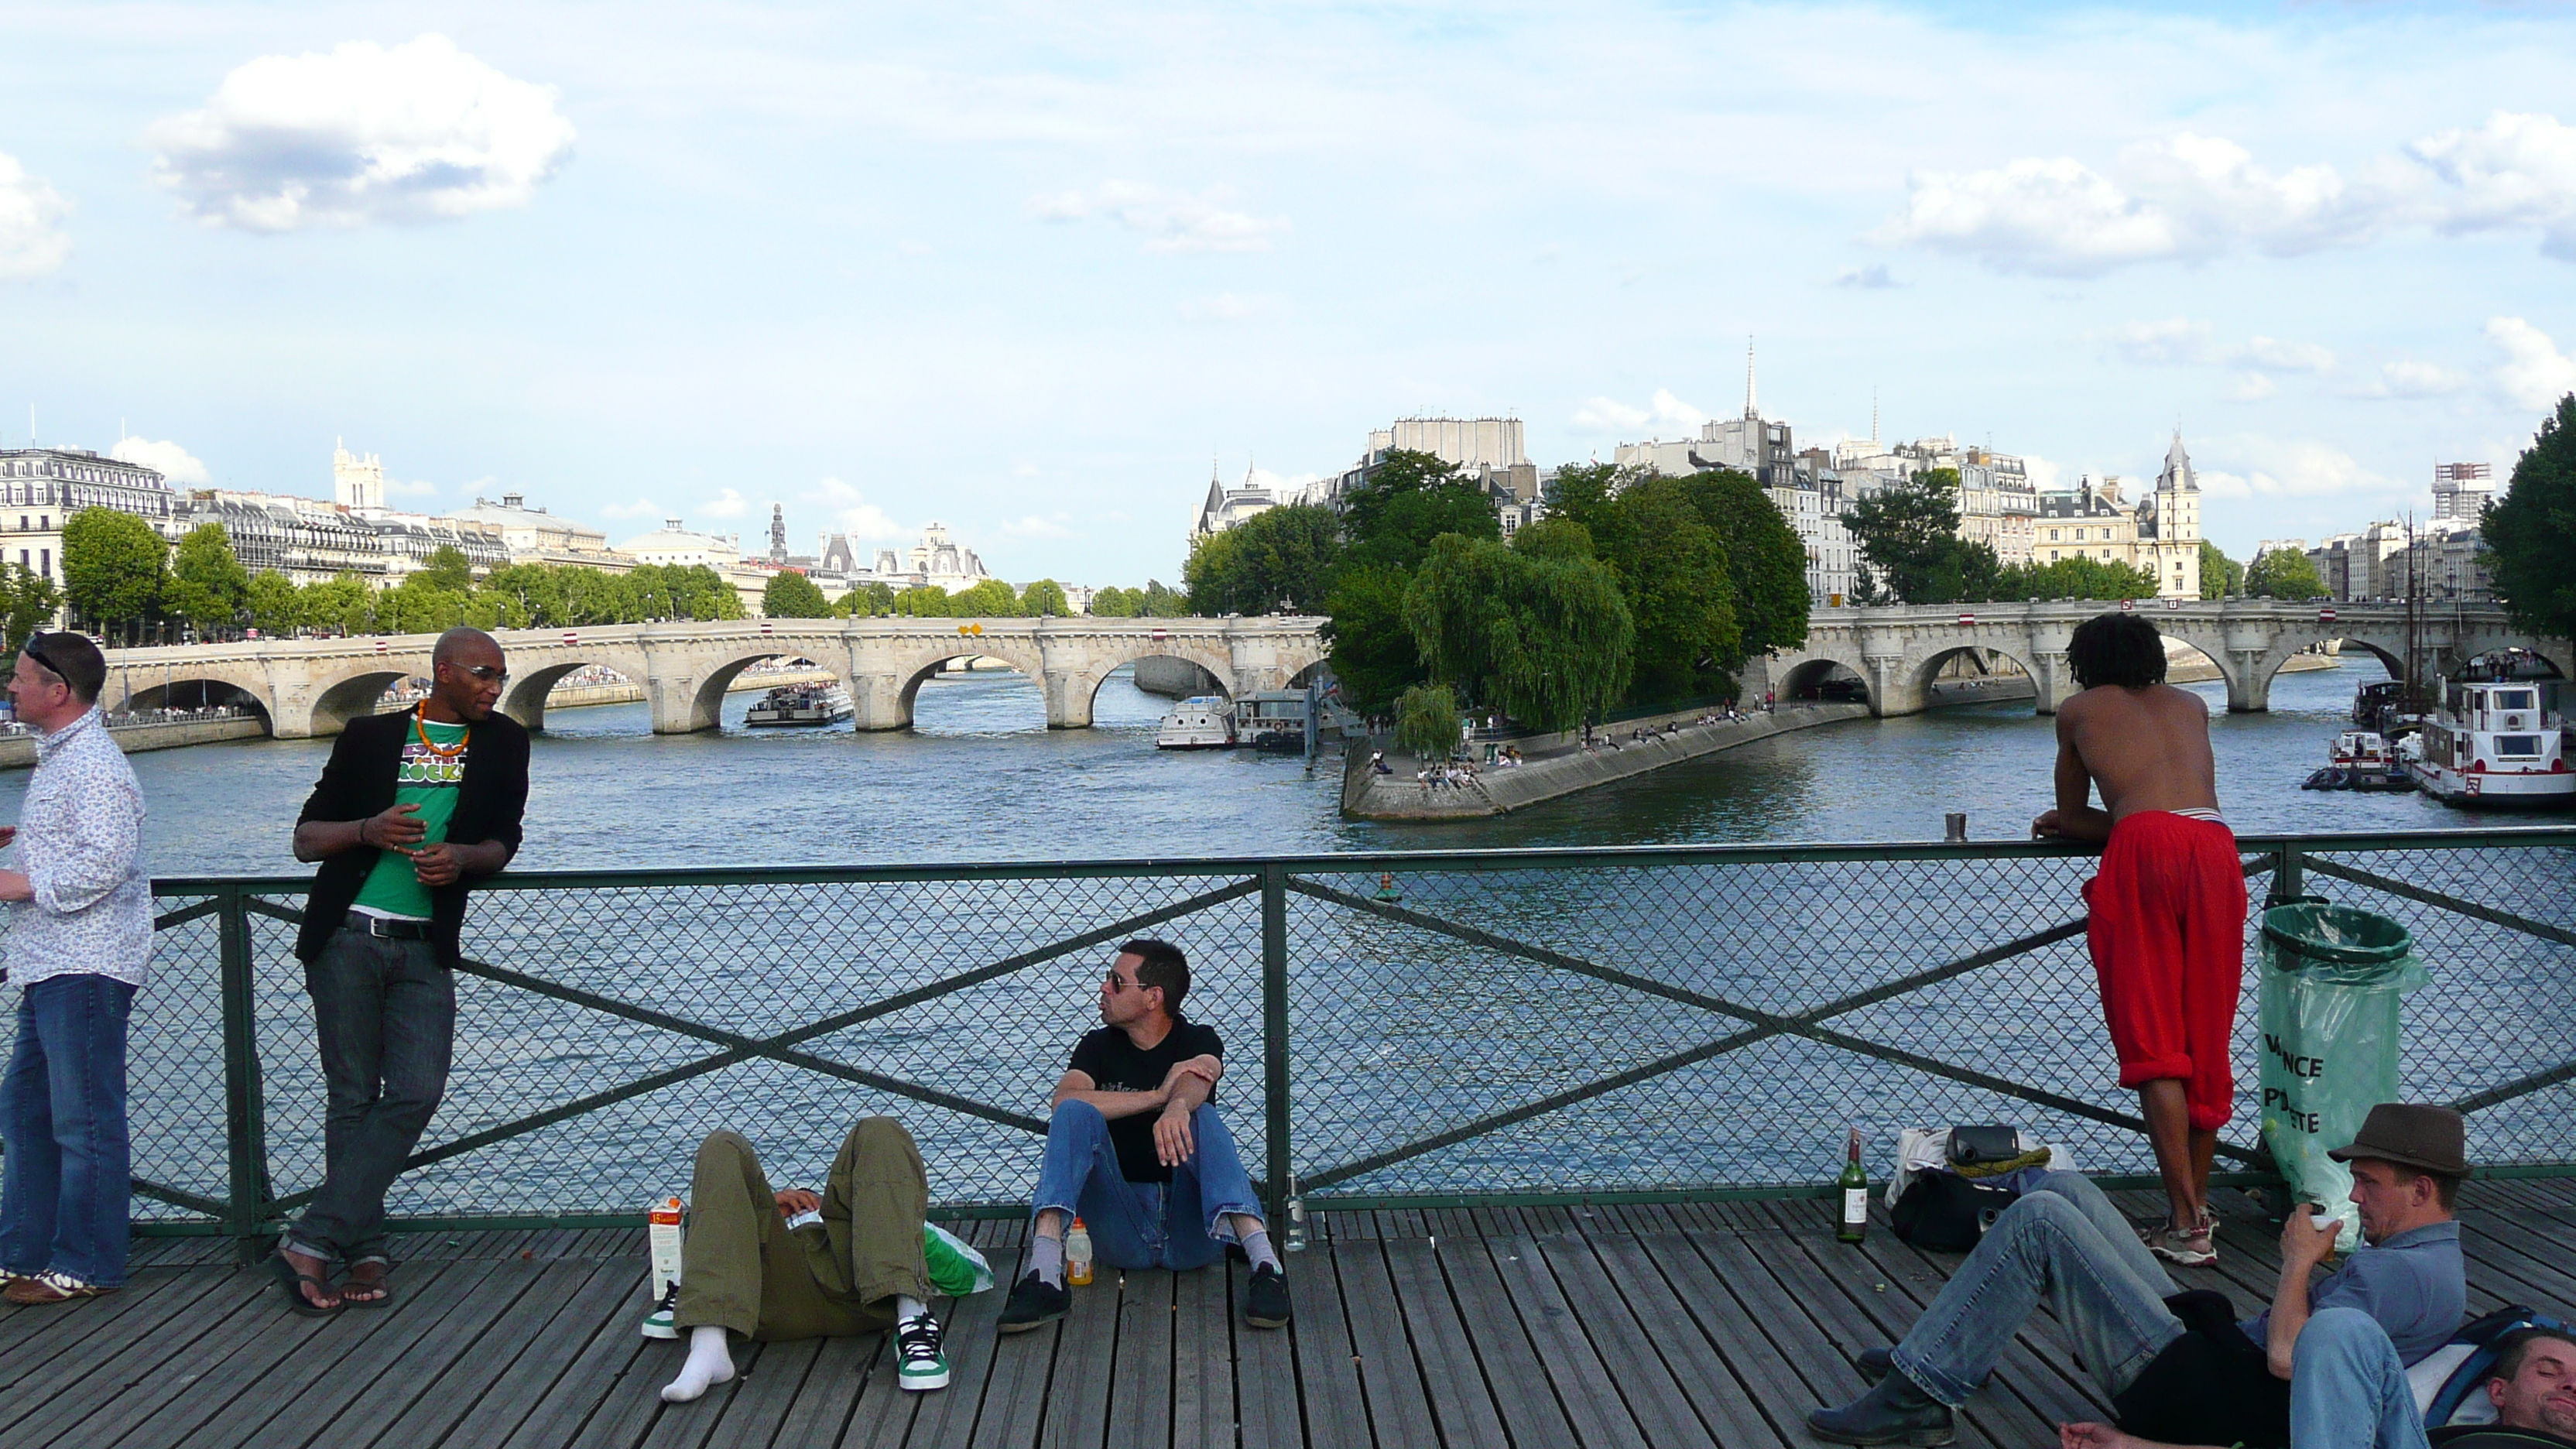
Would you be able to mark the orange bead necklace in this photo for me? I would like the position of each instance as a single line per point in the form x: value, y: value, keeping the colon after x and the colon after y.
x: 420, y: 727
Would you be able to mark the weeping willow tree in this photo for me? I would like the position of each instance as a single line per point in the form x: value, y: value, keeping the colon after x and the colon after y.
x: 1544, y: 635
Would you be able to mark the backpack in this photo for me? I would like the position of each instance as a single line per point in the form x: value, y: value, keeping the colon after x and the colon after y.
x: 1945, y: 1212
x: 2469, y: 1374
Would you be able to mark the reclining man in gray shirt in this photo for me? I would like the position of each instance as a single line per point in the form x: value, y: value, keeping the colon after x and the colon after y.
x: 2323, y: 1368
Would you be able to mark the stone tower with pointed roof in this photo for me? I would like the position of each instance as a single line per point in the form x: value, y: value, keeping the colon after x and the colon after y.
x: 2169, y: 526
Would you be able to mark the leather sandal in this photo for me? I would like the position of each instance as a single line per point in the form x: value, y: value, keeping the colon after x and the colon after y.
x: 291, y: 1282
x: 381, y: 1284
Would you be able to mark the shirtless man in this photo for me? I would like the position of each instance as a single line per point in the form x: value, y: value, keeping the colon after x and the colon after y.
x: 2167, y: 923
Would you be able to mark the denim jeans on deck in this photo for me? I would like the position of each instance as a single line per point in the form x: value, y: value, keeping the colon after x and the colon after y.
x: 384, y: 1015
x: 2063, y: 1242
x: 2349, y: 1389
x: 1145, y: 1224
x: 65, y: 1186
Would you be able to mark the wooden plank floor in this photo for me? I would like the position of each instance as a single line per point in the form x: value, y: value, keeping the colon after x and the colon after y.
x: 1663, y: 1325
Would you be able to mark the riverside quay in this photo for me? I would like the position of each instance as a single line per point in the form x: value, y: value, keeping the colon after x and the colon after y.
x: 1549, y: 1137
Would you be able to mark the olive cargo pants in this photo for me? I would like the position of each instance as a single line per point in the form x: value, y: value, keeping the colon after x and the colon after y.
x: 741, y: 1268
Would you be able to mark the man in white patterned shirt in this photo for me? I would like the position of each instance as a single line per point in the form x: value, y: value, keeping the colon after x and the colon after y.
x: 79, y: 940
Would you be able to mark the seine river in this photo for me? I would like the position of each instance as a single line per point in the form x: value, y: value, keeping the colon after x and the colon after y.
x: 980, y: 777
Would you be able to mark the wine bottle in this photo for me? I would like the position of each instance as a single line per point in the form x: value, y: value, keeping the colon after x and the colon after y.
x: 1855, y: 1194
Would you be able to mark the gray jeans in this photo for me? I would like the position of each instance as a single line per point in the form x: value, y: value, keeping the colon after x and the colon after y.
x: 384, y: 1013
x: 2063, y: 1243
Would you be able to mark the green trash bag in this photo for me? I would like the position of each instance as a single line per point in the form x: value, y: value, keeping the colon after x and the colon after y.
x: 956, y: 1269
x: 2332, y: 980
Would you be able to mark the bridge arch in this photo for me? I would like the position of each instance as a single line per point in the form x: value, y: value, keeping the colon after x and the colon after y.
x: 1084, y: 686
x: 354, y: 696
x: 179, y: 685
x: 1923, y: 665
x: 1808, y: 679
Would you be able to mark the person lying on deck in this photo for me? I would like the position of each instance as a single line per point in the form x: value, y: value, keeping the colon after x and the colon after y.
x: 2311, y: 1372
x: 2533, y: 1390
x: 774, y: 1266
x: 1137, y: 1152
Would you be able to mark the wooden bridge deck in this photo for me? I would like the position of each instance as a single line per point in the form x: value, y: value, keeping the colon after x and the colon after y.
x: 1667, y: 1325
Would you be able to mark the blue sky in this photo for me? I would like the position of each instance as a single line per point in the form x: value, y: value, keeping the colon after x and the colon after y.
x: 1024, y: 270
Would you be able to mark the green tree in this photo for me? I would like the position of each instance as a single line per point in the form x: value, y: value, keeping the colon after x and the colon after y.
x: 207, y: 586
x: 276, y: 608
x: 2078, y: 578
x: 2283, y: 573
x: 925, y: 601
x: 1672, y: 570
x: 1543, y: 635
x: 1114, y: 602
x: 1907, y: 532
x: 2220, y: 576
x: 1373, y: 652
x: 870, y: 601
x: 1764, y: 558
x: 791, y: 595
x: 1967, y: 571
x: 988, y: 599
x: 114, y: 567
x: 1406, y: 500
x: 1426, y: 722
x: 1277, y: 561
x: 1044, y: 599
x: 2530, y: 533
x: 28, y: 602
x: 447, y: 568
x: 337, y: 603
x: 1161, y: 601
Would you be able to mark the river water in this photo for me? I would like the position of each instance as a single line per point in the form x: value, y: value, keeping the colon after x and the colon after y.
x: 980, y: 778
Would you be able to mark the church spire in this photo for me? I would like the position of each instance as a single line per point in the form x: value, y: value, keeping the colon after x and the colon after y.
x: 1751, y: 409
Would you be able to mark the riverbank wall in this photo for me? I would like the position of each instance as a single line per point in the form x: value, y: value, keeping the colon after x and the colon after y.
x: 18, y: 752
x: 1174, y: 678
x: 1559, y: 765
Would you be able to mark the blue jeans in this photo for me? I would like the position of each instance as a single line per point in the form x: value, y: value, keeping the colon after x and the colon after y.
x: 2348, y: 1389
x: 1145, y: 1224
x: 65, y: 1181
x: 384, y: 1014
x: 2063, y: 1242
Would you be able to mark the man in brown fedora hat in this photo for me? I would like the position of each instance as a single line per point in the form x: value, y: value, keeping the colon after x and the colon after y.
x: 2175, y: 1366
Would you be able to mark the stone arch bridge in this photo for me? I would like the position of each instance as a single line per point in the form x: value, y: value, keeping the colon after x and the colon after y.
x: 309, y: 687
x: 1897, y: 651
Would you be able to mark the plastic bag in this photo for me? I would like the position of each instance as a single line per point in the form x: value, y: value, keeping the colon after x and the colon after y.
x: 956, y: 1269
x: 2332, y: 981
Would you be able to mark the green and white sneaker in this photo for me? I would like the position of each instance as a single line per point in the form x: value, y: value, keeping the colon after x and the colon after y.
x: 663, y: 1320
x: 919, y: 1364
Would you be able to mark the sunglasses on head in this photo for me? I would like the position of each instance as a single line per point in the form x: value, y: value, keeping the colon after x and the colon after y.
x: 34, y: 649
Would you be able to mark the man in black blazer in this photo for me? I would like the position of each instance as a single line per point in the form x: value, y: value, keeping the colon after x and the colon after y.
x: 410, y: 809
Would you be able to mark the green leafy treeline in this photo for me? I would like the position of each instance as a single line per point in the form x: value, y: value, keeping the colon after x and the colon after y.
x: 1911, y: 553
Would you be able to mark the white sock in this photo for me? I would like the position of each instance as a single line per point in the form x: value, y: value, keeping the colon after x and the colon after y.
x: 1256, y: 1247
x: 1046, y: 1259
x: 710, y: 1363
x: 907, y: 1309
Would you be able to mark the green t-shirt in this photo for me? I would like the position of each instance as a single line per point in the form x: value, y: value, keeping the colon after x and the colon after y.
x: 430, y: 781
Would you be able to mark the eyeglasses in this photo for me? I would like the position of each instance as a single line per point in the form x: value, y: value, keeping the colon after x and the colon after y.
x: 485, y: 673
x: 1117, y: 983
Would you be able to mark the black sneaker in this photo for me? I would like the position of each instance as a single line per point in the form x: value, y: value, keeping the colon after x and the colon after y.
x: 1266, y: 1304
x: 1033, y: 1301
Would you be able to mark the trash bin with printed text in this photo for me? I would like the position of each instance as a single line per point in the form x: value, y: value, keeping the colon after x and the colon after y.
x: 2333, y: 980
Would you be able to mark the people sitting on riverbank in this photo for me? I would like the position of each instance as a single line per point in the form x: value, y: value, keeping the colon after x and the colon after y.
x: 410, y: 810
x: 1137, y: 1151
x: 777, y: 1266
x: 2175, y: 1366
x: 2166, y: 910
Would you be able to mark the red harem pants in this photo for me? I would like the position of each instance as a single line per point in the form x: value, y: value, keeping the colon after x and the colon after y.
x: 2167, y: 928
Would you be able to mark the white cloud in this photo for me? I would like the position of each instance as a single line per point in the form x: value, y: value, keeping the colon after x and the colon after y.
x: 2408, y: 378
x: 414, y: 488
x: 32, y: 239
x: 728, y: 503
x: 1869, y: 278
x: 852, y: 513
x: 2266, y: 467
x: 418, y: 132
x: 2191, y: 198
x: 2042, y: 473
x: 640, y: 508
x: 1032, y: 526
x: 2251, y: 387
x: 2534, y: 374
x: 1227, y: 307
x: 1604, y: 415
x: 1171, y: 221
x: 176, y: 465
x: 2181, y: 340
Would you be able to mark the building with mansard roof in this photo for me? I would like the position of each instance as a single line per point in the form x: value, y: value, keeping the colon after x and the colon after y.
x: 2159, y: 533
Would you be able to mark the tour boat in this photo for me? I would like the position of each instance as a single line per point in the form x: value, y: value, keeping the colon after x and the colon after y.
x: 792, y: 705
x: 2495, y: 746
x: 1274, y: 719
x: 1201, y: 722
x: 2360, y: 760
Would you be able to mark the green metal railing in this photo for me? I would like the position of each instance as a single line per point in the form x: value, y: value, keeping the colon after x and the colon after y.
x: 1445, y: 1027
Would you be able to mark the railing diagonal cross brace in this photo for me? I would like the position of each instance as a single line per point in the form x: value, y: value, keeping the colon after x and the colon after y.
x: 740, y: 1048
x: 185, y: 914
x: 178, y: 1197
x: 2471, y: 909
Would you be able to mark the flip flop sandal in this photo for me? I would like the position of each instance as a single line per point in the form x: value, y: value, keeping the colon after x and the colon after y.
x: 291, y: 1283
x: 383, y: 1285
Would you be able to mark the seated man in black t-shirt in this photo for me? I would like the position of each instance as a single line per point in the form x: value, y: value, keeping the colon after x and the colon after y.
x: 1136, y: 1152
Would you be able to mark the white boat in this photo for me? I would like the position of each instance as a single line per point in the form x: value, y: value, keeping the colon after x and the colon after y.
x: 1201, y: 722
x: 2495, y: 746
x: 806, y: 705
